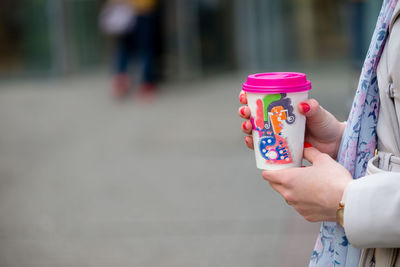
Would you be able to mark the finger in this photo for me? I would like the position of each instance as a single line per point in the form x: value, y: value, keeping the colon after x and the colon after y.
x: 243, y: 98
x: 285, y: 177
x: 247, y: 128
x: 312, y: 154
x: 316, y: 115
x: 285, y: 193
x: 244, y: 112
x: 309, y: 108
x: 277, y: 187
x: 249, y: 142
x: 276, y: 176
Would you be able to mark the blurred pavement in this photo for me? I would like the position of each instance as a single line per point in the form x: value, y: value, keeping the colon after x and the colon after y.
x: 89, y: 181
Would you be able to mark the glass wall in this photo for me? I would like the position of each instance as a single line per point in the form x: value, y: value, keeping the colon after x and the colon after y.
x: 197, y: 37
x: 49, y: 36
x: 213, y: 35
x: 275, y: 33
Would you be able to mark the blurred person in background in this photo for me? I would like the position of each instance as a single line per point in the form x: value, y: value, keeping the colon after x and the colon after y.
x: 358, y: 197
x: 138, y: 41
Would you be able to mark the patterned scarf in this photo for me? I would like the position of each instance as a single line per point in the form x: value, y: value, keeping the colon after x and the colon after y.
x: 357, y: 147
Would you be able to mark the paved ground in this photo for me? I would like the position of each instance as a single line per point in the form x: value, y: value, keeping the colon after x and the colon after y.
x: 89, y: 181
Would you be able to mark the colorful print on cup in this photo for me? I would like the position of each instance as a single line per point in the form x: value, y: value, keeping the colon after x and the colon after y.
x: 274, y: 113
x: 278, y: 127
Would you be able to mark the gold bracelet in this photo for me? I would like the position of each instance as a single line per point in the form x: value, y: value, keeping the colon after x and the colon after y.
x: 340, y: 213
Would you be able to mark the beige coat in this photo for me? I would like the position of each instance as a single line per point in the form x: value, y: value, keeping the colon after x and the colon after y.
x: 372, y: 204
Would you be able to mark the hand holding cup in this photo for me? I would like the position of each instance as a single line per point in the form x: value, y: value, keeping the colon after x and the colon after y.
x: 278, y: 127
x: 323, y: 130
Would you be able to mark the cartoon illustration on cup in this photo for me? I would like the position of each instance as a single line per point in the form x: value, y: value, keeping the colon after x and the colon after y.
x: 274, y: 111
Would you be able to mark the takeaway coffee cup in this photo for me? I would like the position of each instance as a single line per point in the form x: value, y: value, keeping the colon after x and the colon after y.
x: 278, y: 126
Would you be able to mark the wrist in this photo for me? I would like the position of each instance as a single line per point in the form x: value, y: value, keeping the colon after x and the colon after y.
x: 340, y: 214
x: 341, y: 207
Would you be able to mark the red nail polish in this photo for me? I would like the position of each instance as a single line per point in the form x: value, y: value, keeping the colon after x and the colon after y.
x: 247, y: 141
x: 241, y: 98
x: 306, y: 107
x: 307, y: 144
x: 242, y: 111
x: 244, y: 126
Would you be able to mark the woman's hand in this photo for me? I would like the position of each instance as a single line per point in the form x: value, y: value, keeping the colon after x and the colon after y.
x: 323, y: 130
x: 247, y: 127
x: 313, y: 191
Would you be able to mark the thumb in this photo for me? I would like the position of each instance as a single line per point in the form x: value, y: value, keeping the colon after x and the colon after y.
x: 317, y: 117
x: 312, y: 110
x: 311, y: 154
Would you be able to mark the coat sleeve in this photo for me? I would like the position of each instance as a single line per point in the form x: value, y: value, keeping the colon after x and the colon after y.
x: 372, y: 211
x: 372, y: 203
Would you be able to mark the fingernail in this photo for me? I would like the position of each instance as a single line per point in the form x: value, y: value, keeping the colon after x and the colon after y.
x: 307, y: 144
x: 241, y: 98
x: 306, y: 107
x: 247, y: 141
x: 242, y: 111
x: 244, y: 125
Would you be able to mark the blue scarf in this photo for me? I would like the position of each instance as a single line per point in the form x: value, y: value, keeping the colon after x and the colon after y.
x: 357, y: 147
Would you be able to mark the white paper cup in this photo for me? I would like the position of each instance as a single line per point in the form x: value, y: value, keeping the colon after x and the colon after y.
x: 278, y: 126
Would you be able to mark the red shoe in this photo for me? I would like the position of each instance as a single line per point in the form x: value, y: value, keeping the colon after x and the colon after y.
x: 147, y: 92
x: 120, y: 85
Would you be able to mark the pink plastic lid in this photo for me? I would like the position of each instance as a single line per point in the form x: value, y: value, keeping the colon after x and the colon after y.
x: 277, y: 82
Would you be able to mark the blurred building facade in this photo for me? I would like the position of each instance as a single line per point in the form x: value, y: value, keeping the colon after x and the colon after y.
x: 197, y: 37
x: 49, y: 36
